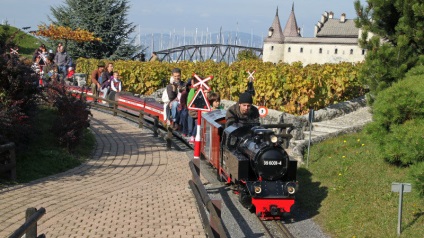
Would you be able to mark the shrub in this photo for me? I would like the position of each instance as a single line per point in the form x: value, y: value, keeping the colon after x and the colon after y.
x: 72, y: 118
x: 17, y: 93
x: 417, y: 175
x: 393, y: 126
x: 405, y: 143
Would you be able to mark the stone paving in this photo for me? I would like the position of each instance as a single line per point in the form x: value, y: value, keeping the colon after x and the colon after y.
x: 132, y: 187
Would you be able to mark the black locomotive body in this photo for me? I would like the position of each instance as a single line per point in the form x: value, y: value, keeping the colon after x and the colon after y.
x: 253, y: 158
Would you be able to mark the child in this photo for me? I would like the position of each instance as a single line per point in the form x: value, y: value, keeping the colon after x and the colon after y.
x: 214, y: 101
x: 70, y: 75
x: 115, y: 83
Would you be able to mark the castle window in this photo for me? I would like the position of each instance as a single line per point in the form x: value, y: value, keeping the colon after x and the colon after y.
x: 335, y: 51
x: 363, y: 52
x: 289, y: 50
x: 351, y: 51
x: 320, y: 50
x: 272, y: 47
x: 301, y: 49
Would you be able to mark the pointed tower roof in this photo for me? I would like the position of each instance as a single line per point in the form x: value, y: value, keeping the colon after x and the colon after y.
x: 275, y: 32
x: 291, y: 29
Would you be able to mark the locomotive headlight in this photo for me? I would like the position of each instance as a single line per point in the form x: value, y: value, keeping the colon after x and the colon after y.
x: 291, y: 188
x: 273, y: 138
x: 258, y: 189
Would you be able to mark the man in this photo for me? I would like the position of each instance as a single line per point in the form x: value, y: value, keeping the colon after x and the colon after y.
x: 62, y: 60
x: 243, y: 111
x: 154, y: 57
x: 96, y: 79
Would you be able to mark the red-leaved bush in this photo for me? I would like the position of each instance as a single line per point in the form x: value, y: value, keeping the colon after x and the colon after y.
x: 72, y: 115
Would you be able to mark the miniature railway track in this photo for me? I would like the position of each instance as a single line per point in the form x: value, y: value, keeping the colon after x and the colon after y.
x: 177, y: 141
x: 278, y: 229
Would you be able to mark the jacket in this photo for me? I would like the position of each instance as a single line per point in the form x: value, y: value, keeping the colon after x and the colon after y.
x: 234, y: 115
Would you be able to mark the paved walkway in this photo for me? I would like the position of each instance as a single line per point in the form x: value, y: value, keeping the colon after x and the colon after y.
x: 132, y: 187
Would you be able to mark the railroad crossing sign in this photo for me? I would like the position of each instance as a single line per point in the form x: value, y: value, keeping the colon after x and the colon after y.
x: 202, y: 82
x: 14, y: 51
x: 251, y: 75
x: 263, y: 111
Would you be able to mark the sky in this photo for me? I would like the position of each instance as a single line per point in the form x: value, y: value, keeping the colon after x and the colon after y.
x: 187, y: 16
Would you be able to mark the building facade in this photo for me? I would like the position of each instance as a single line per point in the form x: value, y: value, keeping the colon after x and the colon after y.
x: 334, y: 41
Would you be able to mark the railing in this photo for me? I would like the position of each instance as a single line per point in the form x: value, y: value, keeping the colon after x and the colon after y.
x: 112, y: 106
x: 213, y: 224
x: 8, y: 160
x: 29, y: 228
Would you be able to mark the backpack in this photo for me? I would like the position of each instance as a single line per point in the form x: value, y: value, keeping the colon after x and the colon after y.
x: 165, y: 97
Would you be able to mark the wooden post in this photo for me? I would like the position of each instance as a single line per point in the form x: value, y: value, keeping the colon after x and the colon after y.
x: 32, y: 230
x: 155, y: 126
x: 13, y: 162
x: 140, y: 119
x: 115, y: 108
x: 214, y: 222
x: 168, y: 138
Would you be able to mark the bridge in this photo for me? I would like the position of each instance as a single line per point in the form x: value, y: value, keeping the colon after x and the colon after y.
x: 215, y: 52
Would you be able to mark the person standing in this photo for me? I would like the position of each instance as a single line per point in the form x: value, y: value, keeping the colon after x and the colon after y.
x: 62, y: 60
x: 243, y: 111
x: 154, y: 57
x: 96, y: 79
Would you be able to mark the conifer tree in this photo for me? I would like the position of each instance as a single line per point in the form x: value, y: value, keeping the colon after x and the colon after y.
x: 397, y: 43
x: 106, y: 19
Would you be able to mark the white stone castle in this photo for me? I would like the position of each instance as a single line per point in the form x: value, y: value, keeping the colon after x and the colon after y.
x: 334, y: 41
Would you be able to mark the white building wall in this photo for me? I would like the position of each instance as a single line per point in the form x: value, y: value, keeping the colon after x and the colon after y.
x: 322, y: 53
x: 273, y: 52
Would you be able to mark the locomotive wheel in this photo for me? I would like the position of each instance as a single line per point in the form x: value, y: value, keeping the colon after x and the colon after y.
x: 245, y: 199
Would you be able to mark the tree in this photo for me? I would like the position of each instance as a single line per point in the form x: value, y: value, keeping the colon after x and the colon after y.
x: 65, y: 33
x: 106, y: 19
x: 246, y: 55
x: 396, y: 44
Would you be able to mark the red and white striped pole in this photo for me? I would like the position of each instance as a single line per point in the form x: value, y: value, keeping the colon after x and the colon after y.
x: 197, y: 139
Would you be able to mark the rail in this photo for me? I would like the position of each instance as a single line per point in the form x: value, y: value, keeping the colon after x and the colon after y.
x: 29, y: 228
x: 8, y: 160
x: 213, y: 225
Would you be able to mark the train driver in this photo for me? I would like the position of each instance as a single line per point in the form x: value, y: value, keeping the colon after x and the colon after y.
x: 243, y: 111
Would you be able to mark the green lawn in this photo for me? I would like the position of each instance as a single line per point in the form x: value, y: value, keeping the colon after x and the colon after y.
x: 27, y: 43
x: 347, y: 189
x: 43, y: 156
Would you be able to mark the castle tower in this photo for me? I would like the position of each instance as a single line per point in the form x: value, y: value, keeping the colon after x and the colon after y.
x: 291, y: 29
x: 273, y: 49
